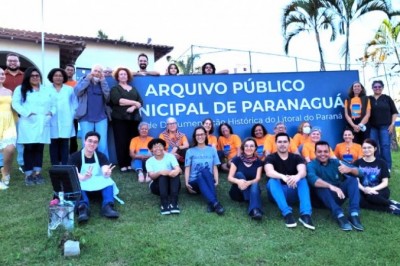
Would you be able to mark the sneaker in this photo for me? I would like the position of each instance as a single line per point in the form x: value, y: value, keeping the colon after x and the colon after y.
x: 306, y: 221
x: 344, y: 224
x: 256, y: 214
x: 147, y: 179
x: 83, y: 214
x: 394, y: 210
x: 174, y: 209
x: 356, y: 223
x: 395, y: 203
x: 3, y: 186
x: 218, y: 208
x: 141, y: 177
x: 290, y: 221
x: 21, y: 169
x: 39, y: 179
x: 29, y: 180
x: 6, y: 180
x: 164, y: 210
x: 109, y: 211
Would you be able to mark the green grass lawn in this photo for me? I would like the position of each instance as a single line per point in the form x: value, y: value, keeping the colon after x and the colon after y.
x: 141, y: 236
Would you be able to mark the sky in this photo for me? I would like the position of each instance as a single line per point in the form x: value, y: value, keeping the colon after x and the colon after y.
x: 251, y: 25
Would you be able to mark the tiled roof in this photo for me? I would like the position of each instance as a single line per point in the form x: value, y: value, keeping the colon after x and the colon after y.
x: 72, y: 46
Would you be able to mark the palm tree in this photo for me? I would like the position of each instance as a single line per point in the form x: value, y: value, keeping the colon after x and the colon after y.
x: 307, y: 16
x: 384, y: 43
x: 185, y: 67
x: 348, y: 11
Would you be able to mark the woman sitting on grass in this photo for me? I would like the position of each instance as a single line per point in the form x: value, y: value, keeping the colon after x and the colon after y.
x: 245, y: 174
x: 373, y: 184
x: 228, y: 145
x: 139, y: 152
x: 164, y: 170
x: 348, y: 150
x: 201, y: 171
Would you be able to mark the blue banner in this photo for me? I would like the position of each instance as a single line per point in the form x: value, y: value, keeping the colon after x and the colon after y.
x: 243, y: 100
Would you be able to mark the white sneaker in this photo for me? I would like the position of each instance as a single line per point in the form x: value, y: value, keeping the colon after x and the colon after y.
x: 21, y: 169
x: 6, y: 180
x: 141, y: 177
x: 3, y: 186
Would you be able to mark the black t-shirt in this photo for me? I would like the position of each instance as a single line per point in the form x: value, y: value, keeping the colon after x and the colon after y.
x: 285, y: 167
x: 373, y: 172
x: 382, y: 110
x: 76, y: 159
x: 249, y: 172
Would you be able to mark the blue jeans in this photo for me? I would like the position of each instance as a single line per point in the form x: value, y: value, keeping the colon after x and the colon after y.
x: 330, y: 199
x: 282, y: 195
x: 138, y: 164
x: 205, y: 184
x: 100, y: 127
x: 383, y: 138
x: 107, y: 193
x: 252, y: 194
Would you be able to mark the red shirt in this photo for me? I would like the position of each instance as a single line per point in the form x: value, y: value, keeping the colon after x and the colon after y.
x: 12, y: 81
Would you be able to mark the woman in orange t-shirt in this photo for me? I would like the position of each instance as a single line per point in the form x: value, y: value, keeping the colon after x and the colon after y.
x: 228, y: 145
x: 259, y: 133
x: 139, y: 152
x: 348, y: 151
x: 302, y: 135
x: 208, y: 124
x: 308, y: 150
x: 357, y: 110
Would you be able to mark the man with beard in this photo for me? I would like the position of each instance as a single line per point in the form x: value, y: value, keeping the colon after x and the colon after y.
x: 333, y: 182
x: 14, y: 75
x: 143, y: 61
x: 287, y: 183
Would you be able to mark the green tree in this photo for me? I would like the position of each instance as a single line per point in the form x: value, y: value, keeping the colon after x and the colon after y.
x: 309, y: 16
x: 384, y: 43
x: 347, y: 11
x: 185, y: 67
x: 101, y: 35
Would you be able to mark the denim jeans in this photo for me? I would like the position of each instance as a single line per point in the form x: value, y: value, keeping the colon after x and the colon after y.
x: 100, y: 127
x: 205, y: 184
x: 138, y: 164
x: 383, y: 138
x: 107, y: 193
x: 252, y: 194
x: 330, y: 199
x: 284, y: 195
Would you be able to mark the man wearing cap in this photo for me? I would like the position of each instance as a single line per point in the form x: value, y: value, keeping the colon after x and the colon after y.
x: 163, y: 168
x: 334, y: 182
x: 270, y: 145
x: 287, y: 183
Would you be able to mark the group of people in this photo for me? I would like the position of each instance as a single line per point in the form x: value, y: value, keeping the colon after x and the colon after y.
x: 300, y: 169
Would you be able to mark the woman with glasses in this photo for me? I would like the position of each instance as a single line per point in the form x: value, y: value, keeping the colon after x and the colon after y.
x: 357, y: 111
x: 374, y: 181
x: 177, y: 142
x: 8, y: 132
x: 35, y: 105
x: 244, y: 175
x: 201, y: 171
x: 139, y: 152
x: 383, y: 118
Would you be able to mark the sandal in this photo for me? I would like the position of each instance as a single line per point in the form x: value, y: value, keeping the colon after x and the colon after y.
x: 124, y: 170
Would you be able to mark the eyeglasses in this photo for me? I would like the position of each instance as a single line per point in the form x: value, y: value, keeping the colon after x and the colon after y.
x: 92, y: 141
x: 377, y: 87
x: 170, y: 124
x: 35, y: 76
x: 200, y: 135
x: 158, y: 146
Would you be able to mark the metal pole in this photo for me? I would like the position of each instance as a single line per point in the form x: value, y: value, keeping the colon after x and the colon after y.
x: 42, y: 38
x: 250, y: 63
